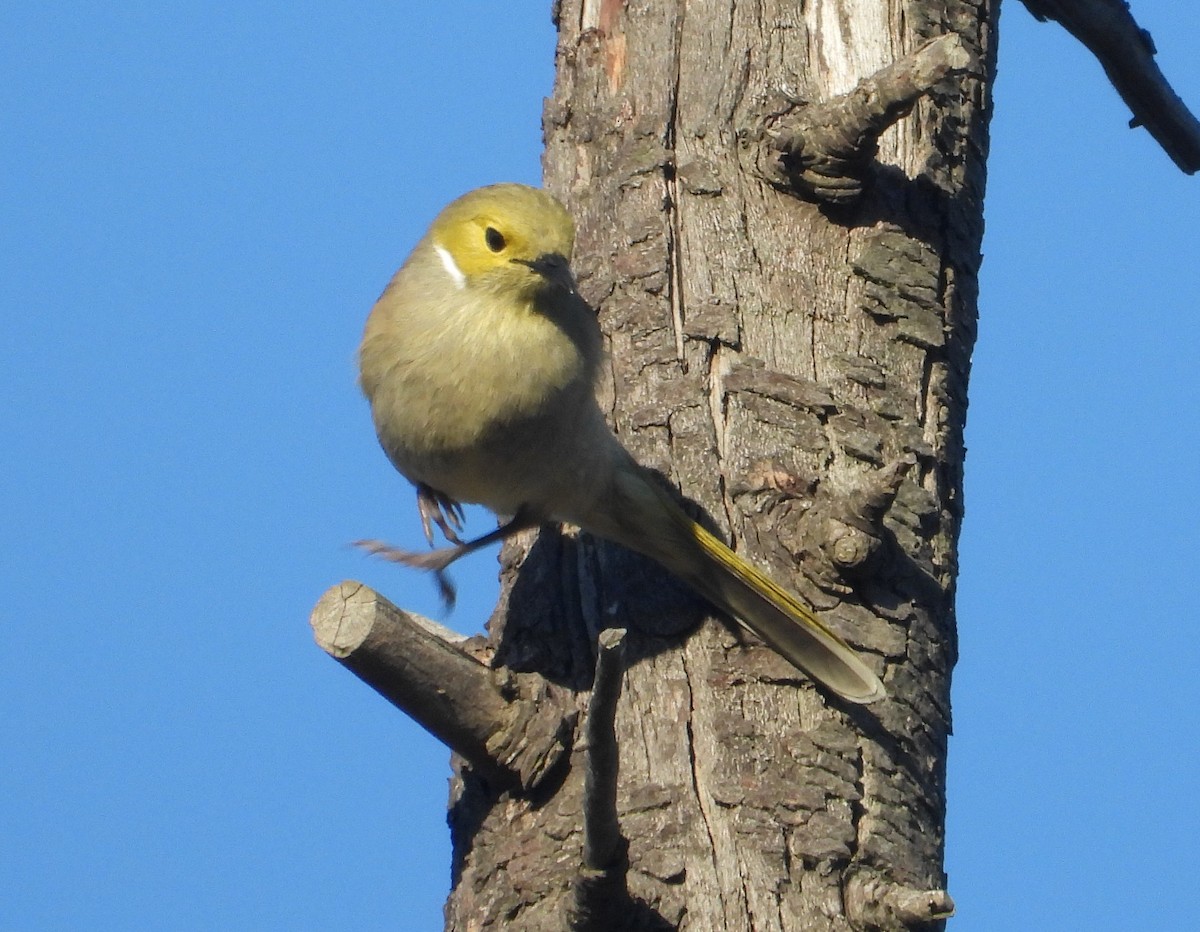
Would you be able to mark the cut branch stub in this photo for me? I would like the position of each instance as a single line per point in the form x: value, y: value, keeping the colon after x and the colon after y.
x: 855, y: 525
x: 512, y: 728
x: 827, y: 148
x: 841, y: 532
x: 876, y: 903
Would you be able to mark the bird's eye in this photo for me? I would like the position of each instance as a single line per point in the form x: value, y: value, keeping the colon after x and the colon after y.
x: 494, y: 239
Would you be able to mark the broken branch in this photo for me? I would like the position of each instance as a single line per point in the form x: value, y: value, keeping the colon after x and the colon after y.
x: 600, y: 896
x: 827, y: 148
x: 601, y: 830
x: 510, y: 728
x: 1126, y: 51
x: 874, y: 902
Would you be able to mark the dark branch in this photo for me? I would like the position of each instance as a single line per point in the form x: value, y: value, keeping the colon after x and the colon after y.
x: 1109, y: 31
x: 512, y: 729
x: 600, y: 896
x: 601, y: 830
x: 827, y: 148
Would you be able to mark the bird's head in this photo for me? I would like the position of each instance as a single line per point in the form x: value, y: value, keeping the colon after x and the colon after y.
x: 505, y: 237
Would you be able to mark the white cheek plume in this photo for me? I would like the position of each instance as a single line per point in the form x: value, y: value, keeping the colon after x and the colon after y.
x: 451, y: 267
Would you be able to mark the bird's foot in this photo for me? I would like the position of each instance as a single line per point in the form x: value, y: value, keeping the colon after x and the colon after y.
x: 435, y: 561
x: 438, y: 508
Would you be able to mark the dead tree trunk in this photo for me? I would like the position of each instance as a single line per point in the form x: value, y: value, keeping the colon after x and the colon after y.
x: 785, y: 268
x: 796, y: 365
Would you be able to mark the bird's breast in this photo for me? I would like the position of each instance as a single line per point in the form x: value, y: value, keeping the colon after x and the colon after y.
x: 458, y: 400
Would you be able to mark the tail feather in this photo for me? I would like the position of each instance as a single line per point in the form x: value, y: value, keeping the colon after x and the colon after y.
x: 785, y: 623
x: 655, y: 525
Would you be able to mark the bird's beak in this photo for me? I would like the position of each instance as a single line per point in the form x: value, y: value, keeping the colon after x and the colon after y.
x: 555, y: 268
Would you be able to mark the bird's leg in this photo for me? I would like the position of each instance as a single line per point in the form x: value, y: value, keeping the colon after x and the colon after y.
x: 436, y: 561
x: 438, y: 508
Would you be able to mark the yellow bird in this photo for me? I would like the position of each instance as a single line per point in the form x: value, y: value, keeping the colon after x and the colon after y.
x: 479, y: 361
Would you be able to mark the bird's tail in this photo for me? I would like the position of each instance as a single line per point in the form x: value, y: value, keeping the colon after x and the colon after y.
x: 649, y: 521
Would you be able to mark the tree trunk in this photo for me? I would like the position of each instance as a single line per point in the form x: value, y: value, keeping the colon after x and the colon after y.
x: 795, y: 361
x: 784, y: 263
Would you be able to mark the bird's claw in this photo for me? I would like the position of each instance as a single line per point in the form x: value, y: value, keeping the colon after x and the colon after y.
x: 437, y: 508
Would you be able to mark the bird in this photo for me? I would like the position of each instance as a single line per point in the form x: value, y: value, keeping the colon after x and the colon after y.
x: 479, y: 361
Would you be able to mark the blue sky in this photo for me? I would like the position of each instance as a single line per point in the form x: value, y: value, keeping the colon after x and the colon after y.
x: 200, y: 203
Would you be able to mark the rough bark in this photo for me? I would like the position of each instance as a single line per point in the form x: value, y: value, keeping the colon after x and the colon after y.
x: 785, y: 362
